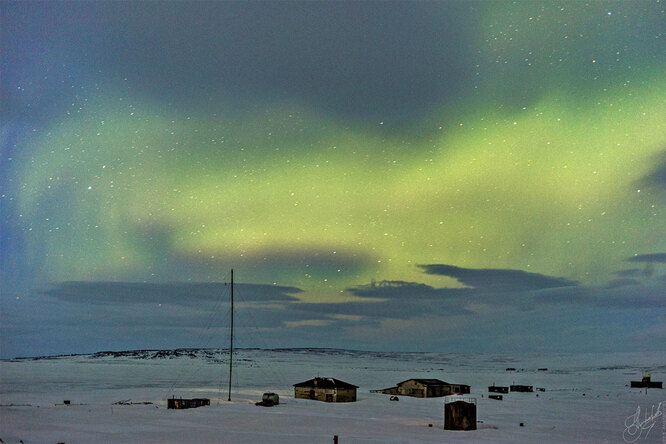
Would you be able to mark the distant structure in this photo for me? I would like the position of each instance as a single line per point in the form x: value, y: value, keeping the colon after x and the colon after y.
x: 425, y: 388
x: 181, y: 403
x: 459, y: 413
x: 326, y: 389
x: 498, y: 389
x: 646, y: 382
x: 269, y: 399
x: 521, y: 388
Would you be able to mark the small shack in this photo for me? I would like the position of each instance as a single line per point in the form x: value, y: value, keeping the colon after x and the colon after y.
x: 325, y: 389
x: 459, y: 413
x: 498, y: 389
x: 646, y: 382
x: 269, y: 399
x: 425, y: 388
x: 521, y: 388
x: 182, y: 403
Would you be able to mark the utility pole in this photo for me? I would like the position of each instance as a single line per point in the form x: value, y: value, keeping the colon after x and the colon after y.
x: 231, y: 346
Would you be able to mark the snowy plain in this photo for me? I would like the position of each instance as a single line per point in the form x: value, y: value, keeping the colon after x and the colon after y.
x: 586, y: 399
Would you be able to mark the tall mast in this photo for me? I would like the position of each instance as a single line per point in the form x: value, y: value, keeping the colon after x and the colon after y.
x: 231, y: 336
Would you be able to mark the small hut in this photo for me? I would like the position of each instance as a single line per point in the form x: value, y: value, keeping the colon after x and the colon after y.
x: 182, y: 403
x: 521, y: 388
x: 459, y: 413
x: 498, y: 389
x: 425, y: 388
x: 325, y: 389
x: 646, y: 382
x: 269, y: 399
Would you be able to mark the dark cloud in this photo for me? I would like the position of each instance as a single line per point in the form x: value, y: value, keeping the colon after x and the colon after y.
x: 498, y: 280
x: 657, y: 178
x: 615, y: 295
x: 617, y: 283
x: 520, y: 291
x: 56, y: 324
x: 286, y: 264
x: 111, y: 315
x: 118, y: 293
x: 351, y: 58
x: 403, y: 290
x: 314, y: 261
x: 628, y: 273
x: 652, y: 258
x: 393, y: 309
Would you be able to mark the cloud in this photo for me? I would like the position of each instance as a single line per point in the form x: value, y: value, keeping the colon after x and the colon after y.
x: 628, y: 273
x: 657, y: 178
x: 113, y: 314
x: 124, y: 293
x: 615, y: 295
x: 373, y: 311
x: 520, y: 291
x: 307, y: 322
x: 403, y: 291
x: 652, y: 258
x: 617, y: 283
x: 498, y: 280
x: 304, y: 50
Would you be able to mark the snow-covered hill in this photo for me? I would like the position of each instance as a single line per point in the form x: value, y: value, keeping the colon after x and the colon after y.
x: 586, y: 397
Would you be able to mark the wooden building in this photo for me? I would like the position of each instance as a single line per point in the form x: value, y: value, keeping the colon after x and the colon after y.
x: 521, y: 388
x: 498, y: 389
x: 425, y: 388
x: 326, y: 389
x: 269, y: 399
x: 646, y: 382
x: 459, y: 413
x: 181, y: 403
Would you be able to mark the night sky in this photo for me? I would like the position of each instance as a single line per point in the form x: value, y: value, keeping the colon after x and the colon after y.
x: 428, y: 176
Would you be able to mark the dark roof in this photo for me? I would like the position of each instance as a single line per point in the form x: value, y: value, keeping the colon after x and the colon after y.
x: 325, y: 383
x: 426, y: 381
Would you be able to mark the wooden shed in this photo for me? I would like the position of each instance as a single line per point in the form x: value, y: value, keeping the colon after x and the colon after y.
x: 459, y: 413
x: 181, y: 403
x: 425, y: 388
x: 646, y: 382
x: 498, y: 389
x: 325, y: 389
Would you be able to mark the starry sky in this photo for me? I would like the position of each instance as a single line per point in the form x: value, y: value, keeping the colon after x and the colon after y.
x: 464, y: 176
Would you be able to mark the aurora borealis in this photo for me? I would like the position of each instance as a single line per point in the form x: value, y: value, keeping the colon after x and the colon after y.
x: 463, y: 176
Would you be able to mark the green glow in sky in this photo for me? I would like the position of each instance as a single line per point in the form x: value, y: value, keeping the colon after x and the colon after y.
x: 553, y: 188
x: 394, y: 174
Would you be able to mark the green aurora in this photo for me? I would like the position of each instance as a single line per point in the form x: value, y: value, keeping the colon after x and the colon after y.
x: 555, y: 188
x: 548, y: 159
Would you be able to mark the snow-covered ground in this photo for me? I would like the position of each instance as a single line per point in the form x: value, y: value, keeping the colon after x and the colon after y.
x: 586, y: 398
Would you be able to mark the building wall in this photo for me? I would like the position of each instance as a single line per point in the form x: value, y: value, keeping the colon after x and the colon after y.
x: 173, y: 403
x: 391, y: 391
x: 437, y: 391
x: 420, y: 390
x: 326, y: 395
x: 305, y: 392
x: 457, y: 388
x: 412, y: 388
x: 460, y: 415
x: 498, y: 389
x: 346, y: 395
